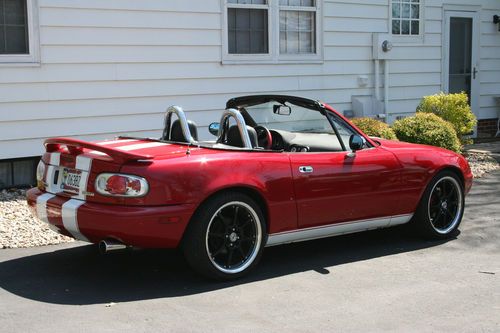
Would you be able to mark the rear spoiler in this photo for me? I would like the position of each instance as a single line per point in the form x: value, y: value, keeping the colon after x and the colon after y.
x: 76, y: 147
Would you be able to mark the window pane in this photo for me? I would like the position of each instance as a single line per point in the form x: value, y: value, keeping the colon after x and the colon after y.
x: 297, y: 32
x: 405, y: 27
x: 14, y: 11
x: 396, y: 27
x: 2, y: 39
x: 308, y: 3
x: 290, y: 2
x: 16, y: 40
x: 414, y: 27
x: 249, y: 2
x: 303, y: 3
x: 305, y: 42
x: 415, y: 11
x: 396, y: 10
x: 306, y: 21
x: 247, y: 31
x: 13, y: 27
x: 1, y: 12
x: 405, y: 10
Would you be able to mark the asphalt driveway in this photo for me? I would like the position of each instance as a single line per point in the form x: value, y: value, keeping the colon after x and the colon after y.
x: 385, y: 280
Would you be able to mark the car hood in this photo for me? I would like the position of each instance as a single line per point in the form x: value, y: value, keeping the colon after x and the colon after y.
x: 401, y: 145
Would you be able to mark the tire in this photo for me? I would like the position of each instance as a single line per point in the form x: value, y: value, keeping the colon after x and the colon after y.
x: 225, y: 237
x: 441, y: 208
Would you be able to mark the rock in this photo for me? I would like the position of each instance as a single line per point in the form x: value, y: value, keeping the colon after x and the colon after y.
x: 18, y: 227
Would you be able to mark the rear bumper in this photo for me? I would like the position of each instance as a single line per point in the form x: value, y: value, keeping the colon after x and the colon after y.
x: 148, y: 227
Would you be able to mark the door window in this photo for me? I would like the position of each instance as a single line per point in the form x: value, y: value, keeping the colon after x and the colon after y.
x: 460, y: 68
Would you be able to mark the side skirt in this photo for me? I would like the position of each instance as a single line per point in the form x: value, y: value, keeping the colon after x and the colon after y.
x: 336, y: 229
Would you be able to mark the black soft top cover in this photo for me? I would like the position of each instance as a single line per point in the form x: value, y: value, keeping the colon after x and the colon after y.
x: 244, y: 101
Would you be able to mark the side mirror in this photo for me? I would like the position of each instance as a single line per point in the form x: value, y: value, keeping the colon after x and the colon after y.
x: 356, y: 142
x: 213, y: 128
x: 281, y: 109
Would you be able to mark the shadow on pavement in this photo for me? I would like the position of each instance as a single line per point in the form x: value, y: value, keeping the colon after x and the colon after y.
x: 80, y: 275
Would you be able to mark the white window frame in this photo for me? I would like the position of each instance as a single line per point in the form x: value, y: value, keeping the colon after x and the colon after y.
x: 33, y: 57
x: 409, y: 38
x: 273, y: 26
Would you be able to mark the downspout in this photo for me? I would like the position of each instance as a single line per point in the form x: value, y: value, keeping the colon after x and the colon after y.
x: 386, y: 89
x: 377, y: 79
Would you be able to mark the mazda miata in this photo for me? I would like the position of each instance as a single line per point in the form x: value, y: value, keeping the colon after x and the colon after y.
x: 280, y: 169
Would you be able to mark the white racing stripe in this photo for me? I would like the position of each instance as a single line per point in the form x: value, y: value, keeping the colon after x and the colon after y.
x: 83, y: 163
x: 55, y: 158
x: 104, y: 143
x: 95, y: 152
x: 41, y: 206
x: 53, y: 185
x: 69, y: 211
x: 127, y: 147
x: 142, y: 146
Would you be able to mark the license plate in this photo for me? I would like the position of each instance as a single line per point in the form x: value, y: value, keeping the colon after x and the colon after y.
x: 71, y: 180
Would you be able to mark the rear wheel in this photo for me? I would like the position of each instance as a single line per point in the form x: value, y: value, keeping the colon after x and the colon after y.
x: 442, y: 206
x: 225, y: 237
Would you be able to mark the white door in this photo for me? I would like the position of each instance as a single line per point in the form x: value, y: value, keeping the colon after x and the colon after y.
x: 461, y: 55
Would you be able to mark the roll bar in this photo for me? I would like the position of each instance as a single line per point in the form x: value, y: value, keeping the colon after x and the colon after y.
x: 240, y: 122
x: 183, y: 120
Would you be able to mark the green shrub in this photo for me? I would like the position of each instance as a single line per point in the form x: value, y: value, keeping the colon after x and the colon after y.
x: 373, y: 127
x: 429, y: 129
x: 453, y: 108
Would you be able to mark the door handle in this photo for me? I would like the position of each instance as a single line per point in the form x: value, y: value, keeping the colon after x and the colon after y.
x: 306, y: 169
x: 474, y: 72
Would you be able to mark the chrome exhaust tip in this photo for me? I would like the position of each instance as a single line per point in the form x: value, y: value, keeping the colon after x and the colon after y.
x: 108, y: 245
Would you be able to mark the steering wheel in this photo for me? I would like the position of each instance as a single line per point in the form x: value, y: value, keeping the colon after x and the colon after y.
x: 264, y: 137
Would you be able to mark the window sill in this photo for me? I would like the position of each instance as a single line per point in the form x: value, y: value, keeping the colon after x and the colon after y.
x: 270, y: 61
x: 19, y: 60
x: 20, y: 64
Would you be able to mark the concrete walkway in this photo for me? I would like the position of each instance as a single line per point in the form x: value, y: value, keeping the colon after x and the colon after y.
x: 490, y: 148
x: 485, y: 147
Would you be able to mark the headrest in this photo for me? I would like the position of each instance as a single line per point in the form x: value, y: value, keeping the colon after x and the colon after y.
x: 234, y: 137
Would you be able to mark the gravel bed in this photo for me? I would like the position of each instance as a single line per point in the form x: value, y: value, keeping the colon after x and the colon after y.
x: 18, y: 227
x: 481, y: 163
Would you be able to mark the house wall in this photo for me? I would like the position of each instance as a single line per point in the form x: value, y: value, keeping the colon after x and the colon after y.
x: 112, y: 67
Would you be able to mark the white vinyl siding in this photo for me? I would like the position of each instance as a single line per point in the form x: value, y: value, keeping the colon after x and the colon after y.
x: 112, y: 67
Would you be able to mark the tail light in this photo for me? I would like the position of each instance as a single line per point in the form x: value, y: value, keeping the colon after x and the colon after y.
x: 40, y: 171
x: 120, y: 185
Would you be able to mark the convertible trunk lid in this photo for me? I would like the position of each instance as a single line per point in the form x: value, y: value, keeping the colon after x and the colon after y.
x: 71, y: 165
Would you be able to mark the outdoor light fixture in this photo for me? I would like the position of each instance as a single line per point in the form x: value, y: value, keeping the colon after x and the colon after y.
x: 496, y: 20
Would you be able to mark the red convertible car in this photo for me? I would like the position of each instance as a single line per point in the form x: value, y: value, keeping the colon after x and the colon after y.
x: 282, y: 169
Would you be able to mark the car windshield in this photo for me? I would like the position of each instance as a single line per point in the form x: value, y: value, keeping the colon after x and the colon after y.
x: 298, y: 119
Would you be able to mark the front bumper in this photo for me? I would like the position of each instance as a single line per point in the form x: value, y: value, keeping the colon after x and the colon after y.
x: 147, y: 227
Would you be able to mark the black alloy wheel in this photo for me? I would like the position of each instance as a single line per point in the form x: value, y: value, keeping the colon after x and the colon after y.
x: 233, y: 238
x: 445, y: 204
x: 226, y: 236
x: 441, y: 208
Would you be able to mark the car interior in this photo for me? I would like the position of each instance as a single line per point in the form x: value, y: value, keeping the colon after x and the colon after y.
x: 260, y: 137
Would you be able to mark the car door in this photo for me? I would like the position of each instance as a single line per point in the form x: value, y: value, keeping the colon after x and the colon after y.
x: 333, y: 187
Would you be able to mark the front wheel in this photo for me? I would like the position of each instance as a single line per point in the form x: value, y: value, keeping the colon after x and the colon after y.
x: 442, y: 206
x: 225, y: 237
